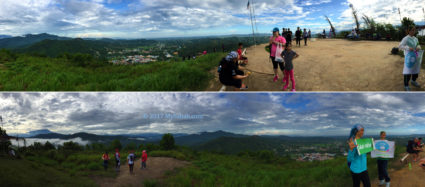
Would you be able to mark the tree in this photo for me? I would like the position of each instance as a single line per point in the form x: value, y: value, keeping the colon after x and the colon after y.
x: 49, y: 146
x: 116, y: 144
x: 131, y: 146
x: 4, y: 141
x: 332, y: 27
x: 356, y: 18
x: 72, y: 146
x: 167, y: 142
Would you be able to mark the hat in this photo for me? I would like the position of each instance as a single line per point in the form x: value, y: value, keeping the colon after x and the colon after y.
x: 356, y: 128
x: 276, y: 29
x: 144, y: 151
x: 232, y: 55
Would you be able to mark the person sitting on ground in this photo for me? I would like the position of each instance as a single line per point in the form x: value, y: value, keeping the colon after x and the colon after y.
x: 144, y: 159
x: 131, y: 157
x: 117, y: 160
x: 105, y: 158
x: 288, y: 55
x: 229, y: 72
x: 383, y: 176
x: 243, y: 58
x: 412, y: 149
x: 411, y: 70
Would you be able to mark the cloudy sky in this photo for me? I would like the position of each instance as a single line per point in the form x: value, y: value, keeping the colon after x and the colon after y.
x: 305, y: 114
x: 168, y: 18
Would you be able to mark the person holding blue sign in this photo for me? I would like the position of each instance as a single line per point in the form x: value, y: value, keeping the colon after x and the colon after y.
x: 413, y: 54
x: 382, y: 166
x: 357, y: 162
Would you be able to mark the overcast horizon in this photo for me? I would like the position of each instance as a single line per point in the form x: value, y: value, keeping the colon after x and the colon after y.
x: 162, y: 18
x: 302, y: 114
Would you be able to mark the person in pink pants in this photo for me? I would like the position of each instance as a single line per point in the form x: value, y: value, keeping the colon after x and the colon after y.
x: 288, y: 55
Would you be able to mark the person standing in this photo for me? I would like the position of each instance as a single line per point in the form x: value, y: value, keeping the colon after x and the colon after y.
x: 289, y: 55
x: 298, y: 35
x: 105, y: 158
x: 117, y: 160
x: 384, y: 179
x: 144, y: 159
x: 276, y: 40
x: 305, y: 34
x: 324, y: 33
x: 309, y: 33
x: 410, y: 46
x: 289, y: 36
x: 356, y: 162
x: 284, y: 32
x: 131, y: 157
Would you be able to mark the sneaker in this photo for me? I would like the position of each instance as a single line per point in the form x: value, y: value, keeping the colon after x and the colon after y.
x: 275, y: 78
x: 414, y: 83
x: 381, y: 182
x: 284, y: 88
x: 407, y: 88
x: 293, y: 90
x: 388, y: 184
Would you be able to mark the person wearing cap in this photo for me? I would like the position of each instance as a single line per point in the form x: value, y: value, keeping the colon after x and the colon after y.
x: 144, y: 159
x: 230, y: 73
x: 357, y: 163
x: 276, y: 40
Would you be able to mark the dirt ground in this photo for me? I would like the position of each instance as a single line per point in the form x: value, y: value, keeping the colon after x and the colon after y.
x: 406, y: 177
x: 331, y: 65
x: 156, y: 168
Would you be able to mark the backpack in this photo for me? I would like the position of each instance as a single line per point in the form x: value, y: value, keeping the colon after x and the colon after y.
x: 394, y: 51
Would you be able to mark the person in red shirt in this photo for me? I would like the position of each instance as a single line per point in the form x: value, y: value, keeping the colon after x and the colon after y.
x: 144, y: 159
x: 242, y: 57
x: 105, y: 158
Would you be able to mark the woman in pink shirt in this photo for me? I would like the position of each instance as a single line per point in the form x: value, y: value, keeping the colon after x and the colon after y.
x: 275, y: 40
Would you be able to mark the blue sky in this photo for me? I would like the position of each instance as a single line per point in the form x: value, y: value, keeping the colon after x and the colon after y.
x: 165, y: 18
x: 303, y: 114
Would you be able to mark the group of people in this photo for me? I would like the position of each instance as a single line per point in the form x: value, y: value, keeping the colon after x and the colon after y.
x: 299, y: 35
x: 358, y: 163
x: 131, y: 158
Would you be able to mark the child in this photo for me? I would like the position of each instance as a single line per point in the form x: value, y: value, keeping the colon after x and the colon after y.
x: 131, y: 157
x: 144, y: 159
x: 382, y: 166
x: 244, y: 59
x: 117, y: 160
x: 105, y: 158
x: 288, y: 55
x: 411, y: 70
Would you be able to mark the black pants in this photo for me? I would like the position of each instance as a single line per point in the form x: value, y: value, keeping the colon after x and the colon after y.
x: 131, y: 167
x: 407, y: 78
x: 305, y: 40
x: 382, y: 170
x: 105, y: 164
x: 363, y: 177
x: 298, y: 41
x: 276, y: 64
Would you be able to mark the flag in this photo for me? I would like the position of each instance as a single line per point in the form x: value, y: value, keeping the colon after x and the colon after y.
x: 247, y: 6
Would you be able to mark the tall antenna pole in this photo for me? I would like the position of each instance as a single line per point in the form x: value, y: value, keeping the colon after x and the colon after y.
x: 1, y: 120
x: 255, y: 19
x: 399, y: 13
x: 252, y: 24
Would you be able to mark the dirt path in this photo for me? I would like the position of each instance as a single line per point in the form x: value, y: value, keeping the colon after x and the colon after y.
x: 406, y: 177
x: 331, y: 65
x: 156, y: 168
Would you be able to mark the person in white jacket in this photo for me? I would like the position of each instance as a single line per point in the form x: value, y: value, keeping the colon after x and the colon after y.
x: 410, y: 71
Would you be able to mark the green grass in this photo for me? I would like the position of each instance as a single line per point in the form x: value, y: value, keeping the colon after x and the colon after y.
x: 29, y: 73
x: 28, y: 173
x: 172, y: 154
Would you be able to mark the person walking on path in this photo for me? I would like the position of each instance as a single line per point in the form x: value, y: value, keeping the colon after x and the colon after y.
x: 131, y: 157
x: 356, y: 162
x: 298, y: 35
x: 117, y: 160
x: 410, y: 46
x: 384, y: 179
x: 288, y: 55
x: 144, y: 159
x: 276, y: 40
x: 105, y: 158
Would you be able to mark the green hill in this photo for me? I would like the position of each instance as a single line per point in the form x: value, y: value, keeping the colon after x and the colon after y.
x: 27, y: 40
x: 79, y: 72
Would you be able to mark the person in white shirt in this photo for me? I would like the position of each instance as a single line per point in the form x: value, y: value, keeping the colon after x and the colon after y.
x: 131, y: 157
x: 410, y: 46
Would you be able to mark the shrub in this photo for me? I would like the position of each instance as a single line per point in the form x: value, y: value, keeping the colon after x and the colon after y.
x: 167, y: 142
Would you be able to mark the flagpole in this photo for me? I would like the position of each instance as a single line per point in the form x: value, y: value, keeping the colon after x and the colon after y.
x: 255, y: 19
x: 399, y: 13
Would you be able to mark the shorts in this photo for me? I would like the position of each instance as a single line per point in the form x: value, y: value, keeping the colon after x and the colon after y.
x: 232, y: 82
x: 276, y: 64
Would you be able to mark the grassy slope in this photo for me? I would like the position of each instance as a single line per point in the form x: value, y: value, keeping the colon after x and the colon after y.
x: 28, y: 173
x: 29, y: 73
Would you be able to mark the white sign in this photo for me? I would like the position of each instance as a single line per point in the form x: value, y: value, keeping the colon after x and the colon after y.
x: 383, y: 149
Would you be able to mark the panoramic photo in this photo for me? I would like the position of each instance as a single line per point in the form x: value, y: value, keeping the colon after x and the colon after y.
x: 213, y: 45
x: 211, y: 139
